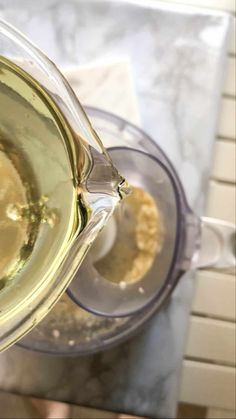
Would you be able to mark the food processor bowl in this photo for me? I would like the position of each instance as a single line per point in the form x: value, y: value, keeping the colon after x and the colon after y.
x: 125, y: 310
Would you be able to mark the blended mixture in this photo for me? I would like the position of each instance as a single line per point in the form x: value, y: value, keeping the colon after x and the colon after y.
x: 140, y: 235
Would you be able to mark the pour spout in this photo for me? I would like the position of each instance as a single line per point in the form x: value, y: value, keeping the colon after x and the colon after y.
x: 124, y: 188
x: 104, y: 178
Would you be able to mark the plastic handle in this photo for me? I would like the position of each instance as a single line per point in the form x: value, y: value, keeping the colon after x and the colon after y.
x: 218, y: 244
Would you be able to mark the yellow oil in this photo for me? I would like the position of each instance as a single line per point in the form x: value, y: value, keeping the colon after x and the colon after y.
x: 41, y: 212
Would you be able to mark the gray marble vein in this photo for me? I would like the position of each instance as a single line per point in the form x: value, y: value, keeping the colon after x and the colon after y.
x: 177, y: 56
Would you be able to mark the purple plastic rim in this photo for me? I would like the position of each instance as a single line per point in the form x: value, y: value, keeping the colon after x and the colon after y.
x: 178, y: 248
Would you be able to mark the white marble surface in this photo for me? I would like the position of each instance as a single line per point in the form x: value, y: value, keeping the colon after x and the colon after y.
x: 108, y: 86
x: 177, y: 59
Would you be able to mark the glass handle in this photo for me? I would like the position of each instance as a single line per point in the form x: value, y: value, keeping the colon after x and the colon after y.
x: 217, y: 244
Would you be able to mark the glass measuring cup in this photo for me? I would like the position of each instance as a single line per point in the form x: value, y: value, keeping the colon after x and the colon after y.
x: 72, y: 184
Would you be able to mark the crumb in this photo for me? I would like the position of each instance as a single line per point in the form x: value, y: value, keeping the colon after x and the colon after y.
x: 56, y: 333
x: 71, y: 342
x: 122, y: 285
x: 141, y: 290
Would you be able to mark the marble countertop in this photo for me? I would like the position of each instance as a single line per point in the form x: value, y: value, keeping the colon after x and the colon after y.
x: 177, y: 57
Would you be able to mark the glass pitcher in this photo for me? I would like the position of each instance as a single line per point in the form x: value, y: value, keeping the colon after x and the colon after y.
x: 58, y: 185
